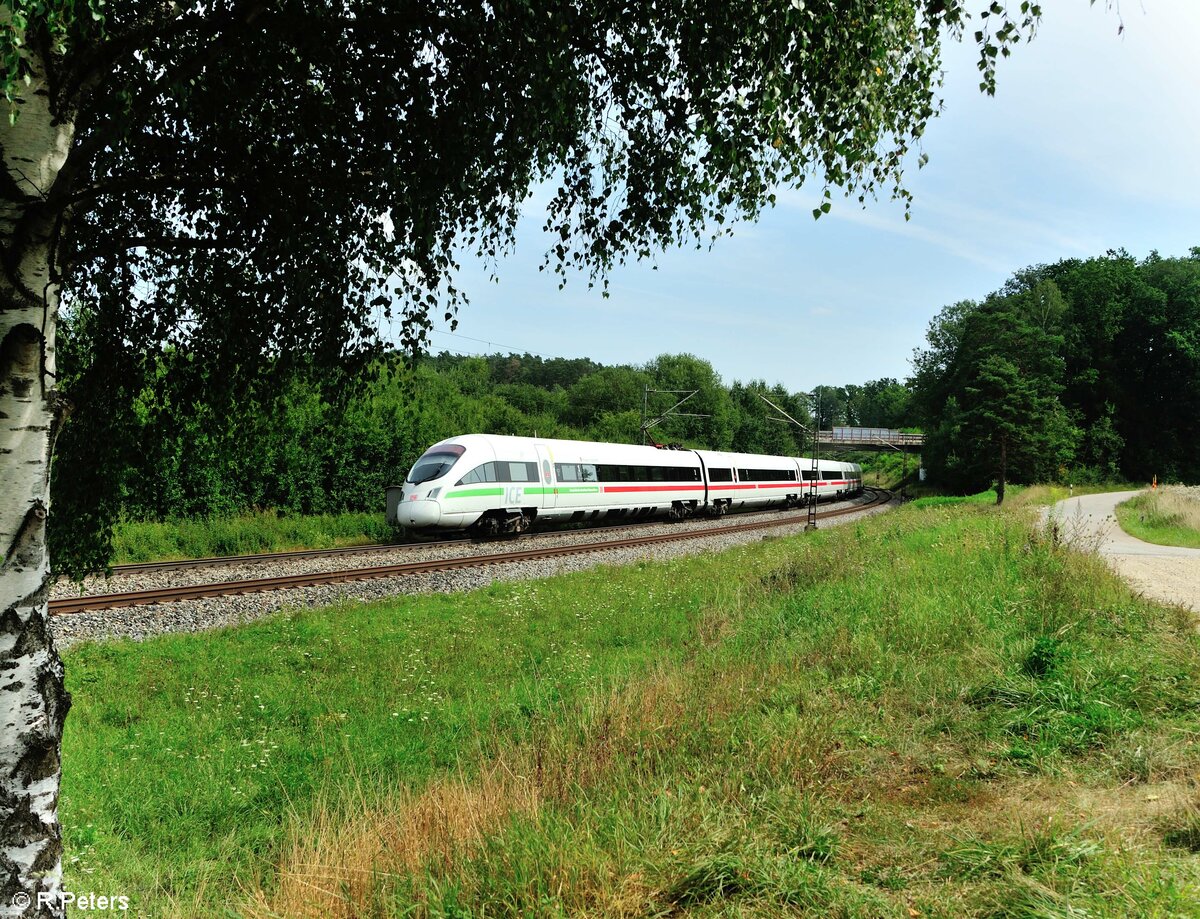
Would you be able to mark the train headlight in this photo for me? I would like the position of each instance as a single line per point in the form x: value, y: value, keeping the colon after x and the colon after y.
x: 433, y: 493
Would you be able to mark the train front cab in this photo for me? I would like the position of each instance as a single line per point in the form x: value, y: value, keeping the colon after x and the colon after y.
x: 414, y: 505
x: 503, y: 485
x: 461, y: 483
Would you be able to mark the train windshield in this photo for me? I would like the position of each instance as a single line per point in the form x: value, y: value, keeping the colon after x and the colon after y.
x: 434, y: 464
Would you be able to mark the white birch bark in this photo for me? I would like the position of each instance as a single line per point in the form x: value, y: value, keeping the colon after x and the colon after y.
x: 33, y: 701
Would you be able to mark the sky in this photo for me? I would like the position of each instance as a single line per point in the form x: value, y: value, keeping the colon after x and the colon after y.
x: 1091, y: 143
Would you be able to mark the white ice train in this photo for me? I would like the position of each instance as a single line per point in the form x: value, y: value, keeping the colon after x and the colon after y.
x: 498, y: 484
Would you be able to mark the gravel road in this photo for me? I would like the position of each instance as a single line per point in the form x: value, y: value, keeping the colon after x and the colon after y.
x: 1168, y: 573
x: 195, y: 615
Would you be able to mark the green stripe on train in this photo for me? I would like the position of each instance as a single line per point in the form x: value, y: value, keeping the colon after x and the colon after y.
x: 564, y: 490
x: 493, y: 492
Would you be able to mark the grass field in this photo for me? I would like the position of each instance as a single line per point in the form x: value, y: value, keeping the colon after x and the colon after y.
x: 266, y: 531
x: 930, y: 713
x: 985, y: 497
x: 1168, y: 516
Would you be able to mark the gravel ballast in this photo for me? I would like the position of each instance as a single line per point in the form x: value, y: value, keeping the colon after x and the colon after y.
x: 196, y: 615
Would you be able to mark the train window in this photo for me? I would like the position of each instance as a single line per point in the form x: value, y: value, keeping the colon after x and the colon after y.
x: 607, y: 473
x: 678, y: 474
x: 767, y: 475
x: 434, y: 464
x: 484, y: 473
x: 575, y: 472
x: 827, y: 474
x: 501, y: 472
x: 520, y: 472
x: 720, y: 475
x: 809, y: 475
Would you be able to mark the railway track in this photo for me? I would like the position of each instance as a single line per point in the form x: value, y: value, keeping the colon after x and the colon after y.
x: 230, y: 560
x: 94, y: 603
x: 223, y: 561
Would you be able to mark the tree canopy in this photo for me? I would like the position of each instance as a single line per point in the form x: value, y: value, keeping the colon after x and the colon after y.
x: 249, y: 178
x: 1088, y: 368
x: 217, y: 188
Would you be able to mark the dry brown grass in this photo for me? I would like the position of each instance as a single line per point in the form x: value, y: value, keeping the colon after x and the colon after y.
x: 339, y: 854
x: 1177, y: 503
x: 333, y: 870
x: 340, y: 865
x: 347, y: 847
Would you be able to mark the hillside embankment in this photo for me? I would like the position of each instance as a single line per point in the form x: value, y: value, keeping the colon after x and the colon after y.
x: 940, y: 711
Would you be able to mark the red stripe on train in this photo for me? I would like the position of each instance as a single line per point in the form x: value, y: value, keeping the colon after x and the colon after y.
x: 717, y: 486
x: 611, y: 488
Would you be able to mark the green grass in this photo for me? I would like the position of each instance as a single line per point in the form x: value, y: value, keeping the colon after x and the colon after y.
x: 265, y: 531
x: 929, y: 711
x: 1019, y: 494
x: 1162, y: 518
x: 984, y: 497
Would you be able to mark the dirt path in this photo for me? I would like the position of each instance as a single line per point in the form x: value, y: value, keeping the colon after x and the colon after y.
x: 1169, y: 573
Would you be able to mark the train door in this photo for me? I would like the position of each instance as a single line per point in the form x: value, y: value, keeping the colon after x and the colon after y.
x: 546, y: 472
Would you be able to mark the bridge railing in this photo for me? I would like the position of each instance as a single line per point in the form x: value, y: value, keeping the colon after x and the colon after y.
x: 871, y: 436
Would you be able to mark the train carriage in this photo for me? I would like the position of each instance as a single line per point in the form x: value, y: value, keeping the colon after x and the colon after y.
x: 495, y: 483
x: 738, y: 481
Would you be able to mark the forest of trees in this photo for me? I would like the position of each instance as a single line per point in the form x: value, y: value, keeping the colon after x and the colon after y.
x: 1083, y: 370
x: 309, y: 451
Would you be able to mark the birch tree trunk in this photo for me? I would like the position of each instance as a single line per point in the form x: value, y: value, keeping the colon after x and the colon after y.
x: 33, y: 701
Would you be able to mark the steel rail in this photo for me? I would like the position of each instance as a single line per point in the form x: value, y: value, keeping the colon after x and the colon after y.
x: 229, y: 560
x: 94, y: 603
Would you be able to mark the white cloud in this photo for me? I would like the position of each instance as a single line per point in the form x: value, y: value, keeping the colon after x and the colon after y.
x: 957, y: 245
